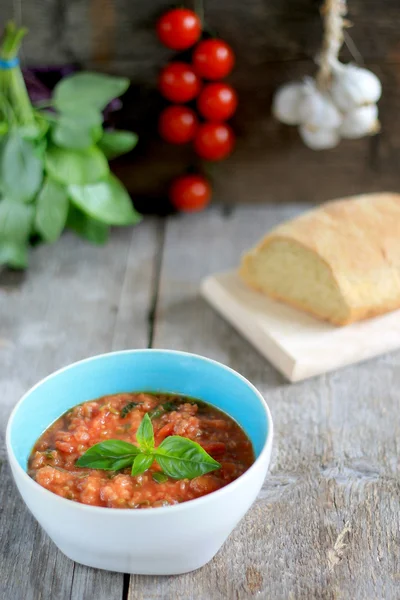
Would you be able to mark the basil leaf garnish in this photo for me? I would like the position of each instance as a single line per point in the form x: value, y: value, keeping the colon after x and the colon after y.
x: 141, y: 463
x: 145, y: 434
x: 161, y: 409
x: 109, y: 455
x: 160, y: 477
x: 169, y: 406
x: 181, y: 458
x: 127, y: 409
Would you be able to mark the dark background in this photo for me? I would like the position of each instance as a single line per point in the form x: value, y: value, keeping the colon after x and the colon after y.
x: 274, y: 41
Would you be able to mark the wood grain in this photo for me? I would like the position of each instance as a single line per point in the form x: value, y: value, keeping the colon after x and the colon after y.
x: 103, y: 18
x: 326, y: 523
x: 275, y: 41
x: 260, y: 31
x: 77, y: 300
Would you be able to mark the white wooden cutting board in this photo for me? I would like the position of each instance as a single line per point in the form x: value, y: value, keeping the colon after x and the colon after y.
x: 298, y: 345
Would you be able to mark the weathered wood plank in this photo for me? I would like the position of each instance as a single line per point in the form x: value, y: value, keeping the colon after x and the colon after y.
x: 274, y: 41
x: 7, y: 11
x: 260, y: 31
x: 103, y: 17
x: 47, y: 24
x: 326, y: 522
x: 75, y: 301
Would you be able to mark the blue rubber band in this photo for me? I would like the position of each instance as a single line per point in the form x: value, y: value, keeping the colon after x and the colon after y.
x: 9, y: 64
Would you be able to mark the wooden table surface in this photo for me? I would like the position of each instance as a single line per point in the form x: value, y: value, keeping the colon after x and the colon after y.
x: 326, y: 523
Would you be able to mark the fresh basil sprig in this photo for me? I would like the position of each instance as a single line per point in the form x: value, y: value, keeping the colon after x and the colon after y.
x: 54, y: 171
x: 179, y: 457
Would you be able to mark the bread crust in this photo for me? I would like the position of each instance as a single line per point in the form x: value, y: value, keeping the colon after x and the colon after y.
x: 358, y: 239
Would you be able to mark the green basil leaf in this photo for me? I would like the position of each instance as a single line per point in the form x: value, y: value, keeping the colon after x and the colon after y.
x: 160, y: 477
x: 15, y: 221
x: 86, y: 227
x: 77, y: 130
x: 88, y: 89
x: 128, y: 408
x: 80, y: 167
x: 21, y: 170
x: 107, y: 201
x: 15, y: 226
x: 85, y: 115
x: 181, y: 458
x: 145, y: 434
x: 122, y: 463
x: 161, y: 409
x: 51, y: 210
x: 14, y: 254
x: 141, y: 463
x: 110, y: 455
x: 115, y: 143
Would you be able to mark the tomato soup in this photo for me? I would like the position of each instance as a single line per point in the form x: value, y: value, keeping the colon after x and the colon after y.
x: 52, y: 463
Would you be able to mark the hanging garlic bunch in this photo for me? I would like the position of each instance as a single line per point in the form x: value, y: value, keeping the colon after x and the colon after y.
x: 340, y: 102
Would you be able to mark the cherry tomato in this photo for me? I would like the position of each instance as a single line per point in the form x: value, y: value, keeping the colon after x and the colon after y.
x: 190, y: 193
x: 178, y: 82
x: 217, y: 102
x: 179, y: 28
x: 177, y: 124
x: 213, y: 59
x: 214, y: 141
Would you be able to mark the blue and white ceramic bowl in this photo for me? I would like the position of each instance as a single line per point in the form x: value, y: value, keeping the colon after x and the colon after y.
x: 159, y: 541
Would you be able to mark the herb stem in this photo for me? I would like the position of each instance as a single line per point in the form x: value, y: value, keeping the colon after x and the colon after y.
x: 12, y: 84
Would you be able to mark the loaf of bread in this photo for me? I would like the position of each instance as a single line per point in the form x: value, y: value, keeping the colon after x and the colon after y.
x: 339, y: 262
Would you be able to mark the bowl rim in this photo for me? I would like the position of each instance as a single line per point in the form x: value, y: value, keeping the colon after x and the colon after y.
x: 155, y: 510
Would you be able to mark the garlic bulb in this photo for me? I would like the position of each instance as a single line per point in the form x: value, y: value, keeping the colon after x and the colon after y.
x: 317, y: 109
x: 340, y: 101
x: 285, y: 105
x: 353, y: 86
x: 360, y: 121
x: 319, y: 138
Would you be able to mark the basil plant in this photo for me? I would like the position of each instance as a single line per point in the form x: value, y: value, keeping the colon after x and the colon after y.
x: 54, y: 171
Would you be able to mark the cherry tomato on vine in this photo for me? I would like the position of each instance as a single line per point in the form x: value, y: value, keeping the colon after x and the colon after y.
x: 217, y: 102
x: 213, y: 59
x: 177, y: 124
x: 214, y: 141
x: 179, y: 28
x: 190, y: 193
x: 178, y: 82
